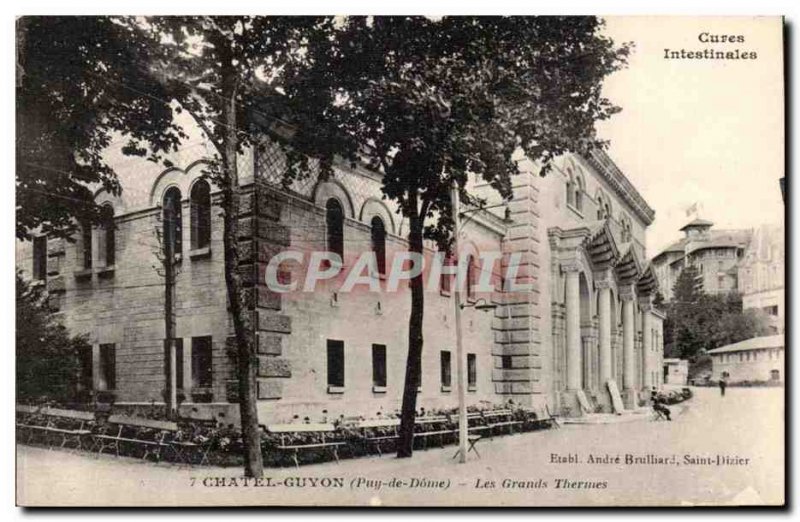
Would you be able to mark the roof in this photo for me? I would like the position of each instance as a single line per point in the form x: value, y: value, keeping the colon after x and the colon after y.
x: 647, y: 283
x: 601, y: 244
x: 717, y: 243
x: 676, y: 260
x: 717, y: 239
x: 675, y: 361
x: 677, y: 246
x: 756, y: 343
x: 697, y: 222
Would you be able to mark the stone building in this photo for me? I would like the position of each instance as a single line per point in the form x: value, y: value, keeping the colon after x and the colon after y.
x: 760, y: 359
x: 579, y: 233
x: 715, y: 254
x: 591, y: 315
x: 676, y: 371
x: 762, y: 275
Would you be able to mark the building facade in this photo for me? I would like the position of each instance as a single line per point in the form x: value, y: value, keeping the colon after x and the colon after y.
x: 585, y: 317
x: 714, y: 253
x: 762, y: 275
x: 676, y: 371
x: 760, y: 359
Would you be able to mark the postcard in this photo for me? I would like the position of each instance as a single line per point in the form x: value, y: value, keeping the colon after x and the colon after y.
x: 400, y: 261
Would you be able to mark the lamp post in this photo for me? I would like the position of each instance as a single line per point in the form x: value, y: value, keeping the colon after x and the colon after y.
x: 461, y: 361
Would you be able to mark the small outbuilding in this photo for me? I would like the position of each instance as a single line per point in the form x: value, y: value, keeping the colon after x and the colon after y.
x: 760, y: 359
x: 676, y: 371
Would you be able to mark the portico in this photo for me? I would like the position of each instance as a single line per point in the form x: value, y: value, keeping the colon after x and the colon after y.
x: 607, y: 306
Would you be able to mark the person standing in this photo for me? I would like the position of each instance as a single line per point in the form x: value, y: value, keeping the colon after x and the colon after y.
x: 722, y: 385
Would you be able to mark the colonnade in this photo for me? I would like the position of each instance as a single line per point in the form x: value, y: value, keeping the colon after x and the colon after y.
x: 576, y: 366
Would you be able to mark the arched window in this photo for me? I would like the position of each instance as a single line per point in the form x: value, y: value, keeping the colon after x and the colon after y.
x: 625, y: 228
x: 579, y: 194
x: 570, y: 189
x: 334, y: 220
x: 471, y: 277
x: 601, y: 206
x: 86, y: 244
x: 379, y: 243
x: 107, y: 237
x: 445, y: 279
x: 200, y: 205
x: 172, y: 222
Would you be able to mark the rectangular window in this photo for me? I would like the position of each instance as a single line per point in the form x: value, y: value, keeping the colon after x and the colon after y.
x: 336, y: 363
x: 379, y: 365
x: 446, y: 371
x: 40, y: 258
x: 108, y: 367
x: 86, y: 368
x: 505, y: 361
x: 472, y: 371
x: 202, y: 375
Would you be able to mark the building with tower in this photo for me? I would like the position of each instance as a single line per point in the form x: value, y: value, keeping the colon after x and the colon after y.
x: 714, y: 253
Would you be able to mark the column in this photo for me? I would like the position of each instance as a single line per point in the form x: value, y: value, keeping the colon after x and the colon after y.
x: 586, y: 354
x: 573, y: 330
x: 647, y: 341
x: 604, y: 328
x: 628, y: 364
x: 637, y: 349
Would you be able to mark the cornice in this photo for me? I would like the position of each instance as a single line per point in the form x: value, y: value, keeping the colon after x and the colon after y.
x: 609, y: 170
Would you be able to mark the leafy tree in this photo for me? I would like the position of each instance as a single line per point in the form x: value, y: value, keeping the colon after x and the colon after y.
x: 80, y: 88
x: 697, y: 322
x: 425, y: 101
x: 47, y: 356
x: 227, y: 73
x: 85, y: 83
x: 685, y: 289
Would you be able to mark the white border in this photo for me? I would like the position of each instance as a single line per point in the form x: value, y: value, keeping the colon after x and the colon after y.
x: 789, y: 8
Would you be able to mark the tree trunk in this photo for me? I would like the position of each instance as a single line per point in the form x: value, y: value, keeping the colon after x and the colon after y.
x: 242, y: 322
x: 170, y: 395
x: 405, y: 445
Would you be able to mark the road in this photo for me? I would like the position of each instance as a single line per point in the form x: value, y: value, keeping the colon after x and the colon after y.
x: 745, y: 426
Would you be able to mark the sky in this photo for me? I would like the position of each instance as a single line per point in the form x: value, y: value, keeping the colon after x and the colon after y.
x: 699, y: 131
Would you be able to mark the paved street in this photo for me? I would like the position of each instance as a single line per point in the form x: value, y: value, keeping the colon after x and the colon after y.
x: 515, y: 470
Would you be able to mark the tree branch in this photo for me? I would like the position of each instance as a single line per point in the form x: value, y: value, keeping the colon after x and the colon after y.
x: 193, y: 112
x: 426, y: 206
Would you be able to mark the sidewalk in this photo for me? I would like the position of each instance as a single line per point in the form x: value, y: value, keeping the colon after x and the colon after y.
x: 508, y: 472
